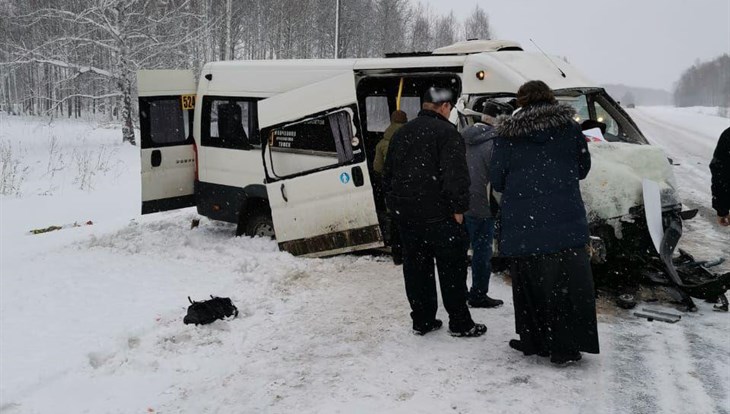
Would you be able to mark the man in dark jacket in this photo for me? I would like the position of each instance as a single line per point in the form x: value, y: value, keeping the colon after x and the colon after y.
x: 426, y: 185
x: 479, y: 222
x: 720, y: 167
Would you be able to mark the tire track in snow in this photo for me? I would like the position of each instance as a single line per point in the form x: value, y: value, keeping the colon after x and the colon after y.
x: 632, y: 383
x: 679, y: 387
x: 711, y: 361
x: 661, y: 368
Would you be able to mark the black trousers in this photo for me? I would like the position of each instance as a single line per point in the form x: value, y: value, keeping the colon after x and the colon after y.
x: 554, y: 300
x: 446, y: 243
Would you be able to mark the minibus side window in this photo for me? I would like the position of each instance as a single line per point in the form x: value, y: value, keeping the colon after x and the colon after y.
x: 378, y: 114
x: 612, y: 127
x: 580, y: 103
x: 411, y: 105
x: 164, y: 123
x: 314, y: 143
x: 229, y: 122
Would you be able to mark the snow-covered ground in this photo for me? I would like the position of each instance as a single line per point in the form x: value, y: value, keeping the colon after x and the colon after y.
x: 91, y: 316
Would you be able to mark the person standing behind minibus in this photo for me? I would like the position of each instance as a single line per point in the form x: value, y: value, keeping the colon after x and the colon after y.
x: 720, y: 168
x: 479, y: 222
x: 426, y: 185
x: 397, y: 119
x: 538, y: 160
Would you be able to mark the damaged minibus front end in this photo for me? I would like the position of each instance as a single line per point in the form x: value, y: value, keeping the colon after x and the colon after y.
x: 636, y: 221
x: 632, y: 184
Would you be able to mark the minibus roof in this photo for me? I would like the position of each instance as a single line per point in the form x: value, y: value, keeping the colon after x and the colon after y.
x: 504, y: 71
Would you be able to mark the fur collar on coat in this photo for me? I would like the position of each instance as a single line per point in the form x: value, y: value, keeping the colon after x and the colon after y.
x: 535, y: 118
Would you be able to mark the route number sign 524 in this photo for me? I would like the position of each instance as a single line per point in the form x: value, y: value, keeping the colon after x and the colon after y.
x: 188, y: 102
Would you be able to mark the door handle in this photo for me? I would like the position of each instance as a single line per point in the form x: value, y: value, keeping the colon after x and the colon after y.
x: 283, y: 193
x: 357, y: 178
x: 156, y: 158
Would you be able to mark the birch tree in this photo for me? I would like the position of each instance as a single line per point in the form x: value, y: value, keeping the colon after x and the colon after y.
x: 391, y: 18
x: 421, y: 37
x: 445, y: 32
x: 476, y: 25
x: 132, y: 34
x: 78, y: 57
x: 357, y: 31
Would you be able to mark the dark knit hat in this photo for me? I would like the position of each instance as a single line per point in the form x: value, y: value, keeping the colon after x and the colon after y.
x: 398, y: 117
x: 493, y: 108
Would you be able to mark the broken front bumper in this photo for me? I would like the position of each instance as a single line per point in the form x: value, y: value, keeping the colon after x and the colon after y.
x: 623, y: 250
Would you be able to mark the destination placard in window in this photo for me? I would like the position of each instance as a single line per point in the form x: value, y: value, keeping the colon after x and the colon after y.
x: 312, y: 134
x: 283, y: 138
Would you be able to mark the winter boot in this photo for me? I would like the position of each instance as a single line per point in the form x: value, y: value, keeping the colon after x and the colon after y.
x: 477, y: 330
x: 423, y: 329
x: 484, y: 302
x: 562, y: 359
x: 397, y: 258
x: 517, y: 345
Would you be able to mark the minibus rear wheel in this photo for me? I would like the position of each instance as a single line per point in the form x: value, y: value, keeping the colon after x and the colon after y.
x: 258, y: 223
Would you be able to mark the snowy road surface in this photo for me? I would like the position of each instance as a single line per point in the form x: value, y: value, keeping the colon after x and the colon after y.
x: 91, y: 317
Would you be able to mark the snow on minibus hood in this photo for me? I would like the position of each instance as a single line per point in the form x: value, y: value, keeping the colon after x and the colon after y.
x: 614, y: 184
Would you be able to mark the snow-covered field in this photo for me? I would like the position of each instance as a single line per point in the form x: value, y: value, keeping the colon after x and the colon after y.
x: 91, y: 316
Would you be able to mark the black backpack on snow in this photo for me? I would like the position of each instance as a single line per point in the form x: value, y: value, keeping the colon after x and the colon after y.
x: 207, y: 311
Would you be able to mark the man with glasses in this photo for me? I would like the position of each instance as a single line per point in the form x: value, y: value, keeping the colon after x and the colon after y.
x: 426, y: 185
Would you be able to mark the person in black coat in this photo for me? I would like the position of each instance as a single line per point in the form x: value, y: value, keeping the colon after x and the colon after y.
x: 538, y: 160
x: 720, y: 168
x: 426, y: 185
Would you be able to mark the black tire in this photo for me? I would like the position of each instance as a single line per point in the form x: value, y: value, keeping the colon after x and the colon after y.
x: 626, y: 301
x: 241, y: 225
x: 257, y: 224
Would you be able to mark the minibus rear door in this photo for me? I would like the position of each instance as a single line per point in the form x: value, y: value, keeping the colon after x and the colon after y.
x: 317, y: 178
x: 166, y: 106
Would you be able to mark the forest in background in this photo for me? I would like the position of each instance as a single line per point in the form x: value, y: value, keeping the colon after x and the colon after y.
x: 705, y: 84
x: 78, y: 58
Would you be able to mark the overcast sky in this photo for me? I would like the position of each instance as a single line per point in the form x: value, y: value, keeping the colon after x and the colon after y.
x: 636, y: 42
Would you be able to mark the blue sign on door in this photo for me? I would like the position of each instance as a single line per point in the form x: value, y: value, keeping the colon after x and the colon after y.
x: 344, y: 178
